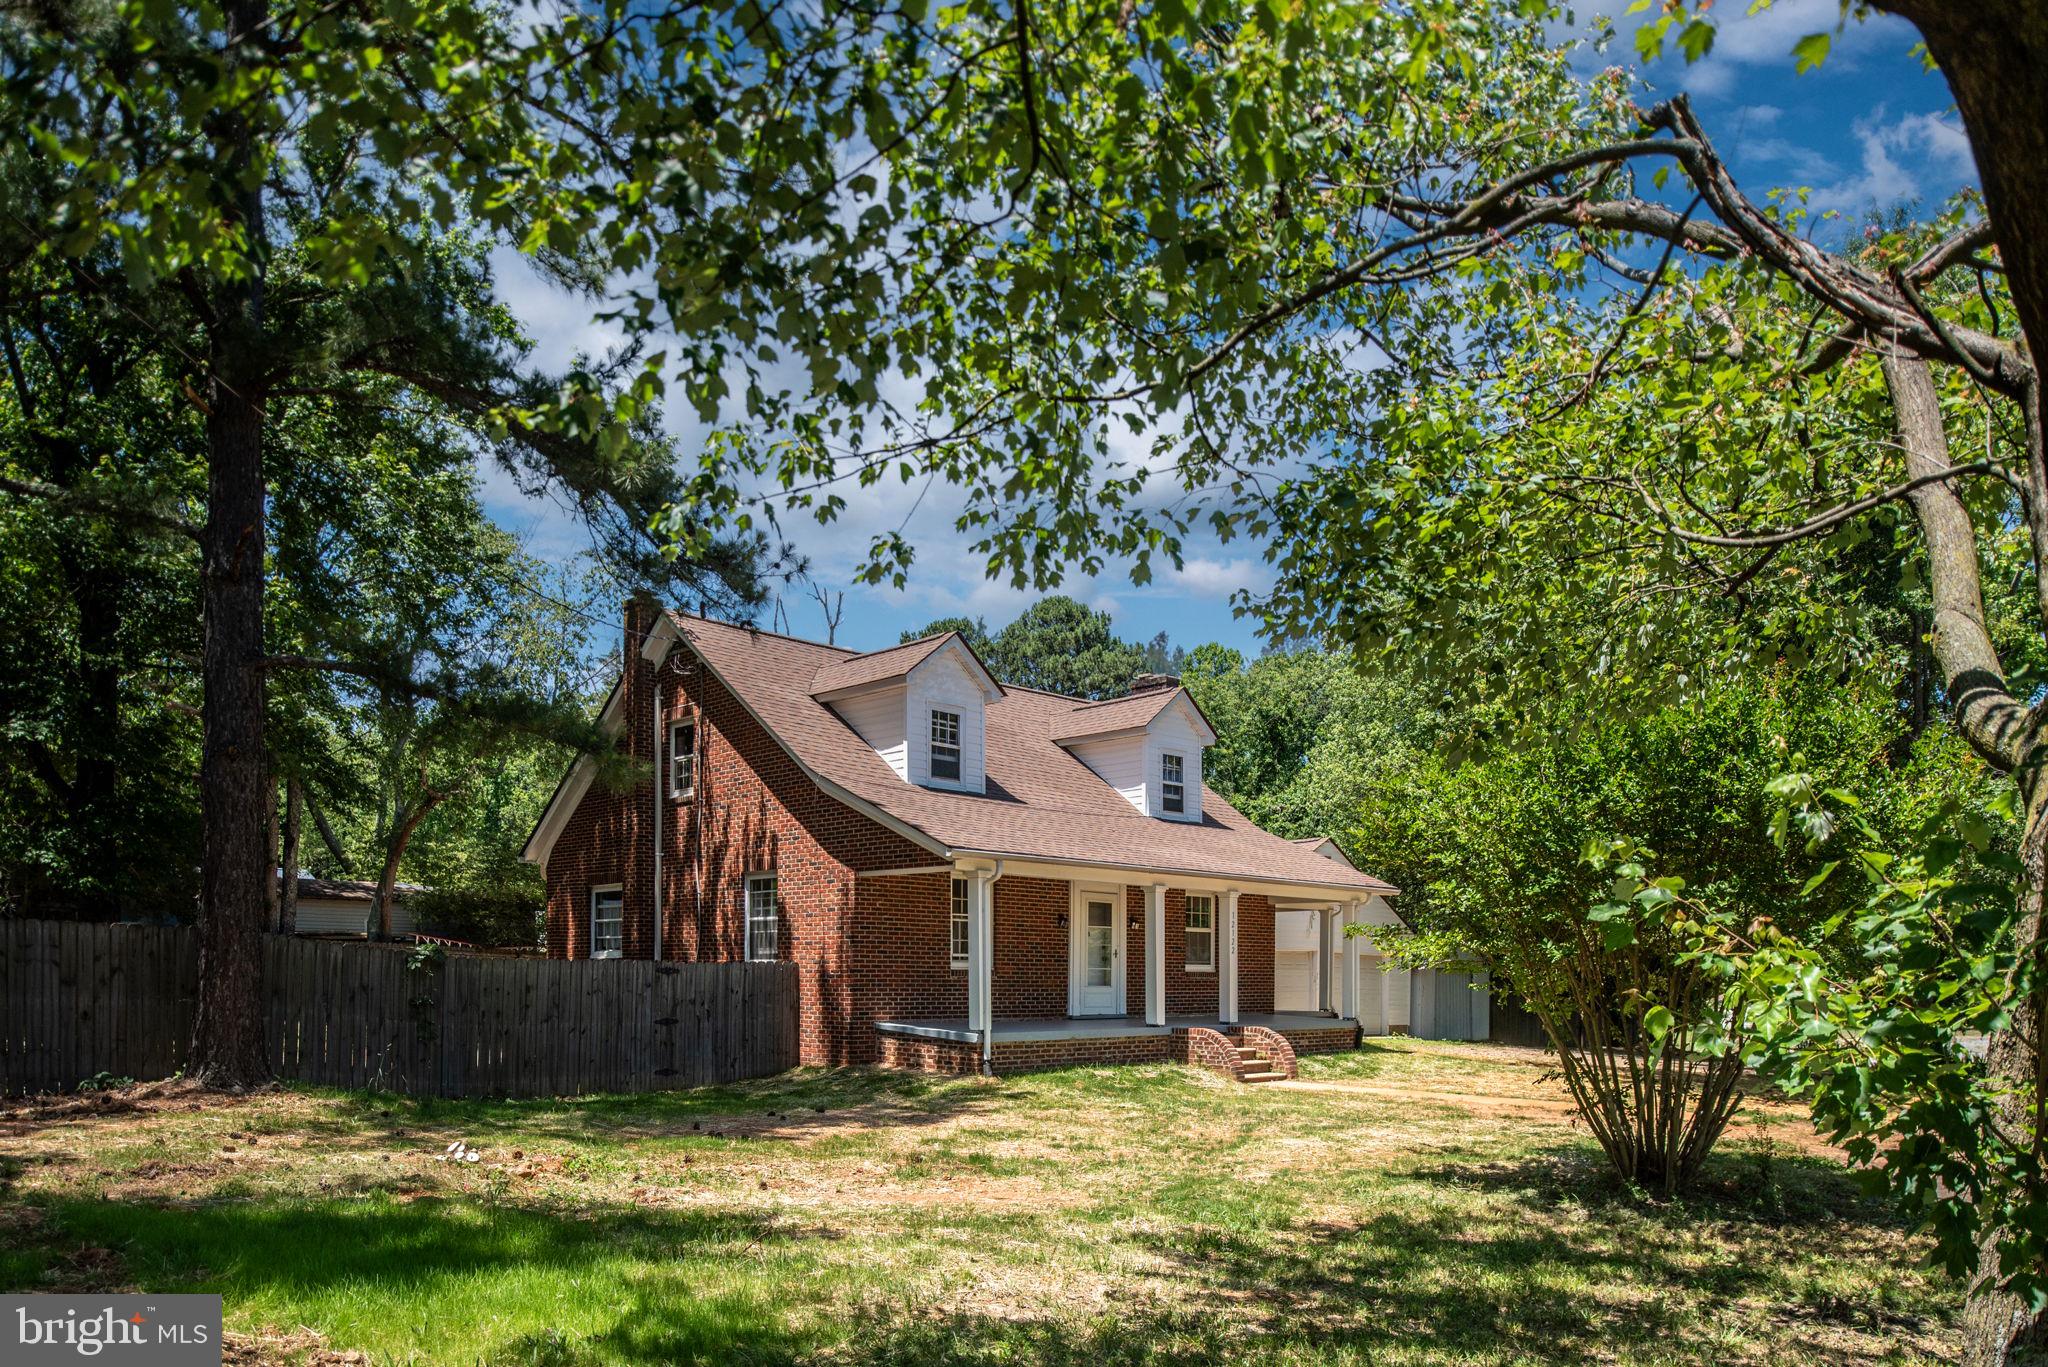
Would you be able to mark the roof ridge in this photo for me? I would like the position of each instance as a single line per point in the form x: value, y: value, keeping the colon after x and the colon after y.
x: 1126, y: 697
x: 753, y: 630
x: 1049, y: 693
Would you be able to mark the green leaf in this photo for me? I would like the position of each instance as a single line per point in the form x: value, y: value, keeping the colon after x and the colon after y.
x: 1810, y: 51
x: 1820, y: 877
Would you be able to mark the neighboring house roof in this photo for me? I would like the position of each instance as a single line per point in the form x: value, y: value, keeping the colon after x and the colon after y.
x: 1132, y: 713
x: 1041, y: 802
x: 1326, y: 847
x: 347, y: 889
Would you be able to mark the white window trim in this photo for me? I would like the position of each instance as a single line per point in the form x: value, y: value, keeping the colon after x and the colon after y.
x: 591, y: 922
x: 695, y: 741
x: 956, y: 912
x: 1209, y: 930
x: 1180, y: 762
x: 933, y: 745
x: 747, y: 910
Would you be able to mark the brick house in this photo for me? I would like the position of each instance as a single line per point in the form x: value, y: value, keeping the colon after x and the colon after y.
x: 971, y: 877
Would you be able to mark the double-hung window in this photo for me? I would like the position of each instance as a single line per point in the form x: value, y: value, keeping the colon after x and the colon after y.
x: 682, y: 758
x: 764, y: 917
x: 1172, y: 786
x: 1201, y: 934
x: 958, y: 935
x: 607, y: 922
x: 946, y: 745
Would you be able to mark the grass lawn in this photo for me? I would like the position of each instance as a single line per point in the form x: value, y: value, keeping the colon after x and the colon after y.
x: 1410, y: 1203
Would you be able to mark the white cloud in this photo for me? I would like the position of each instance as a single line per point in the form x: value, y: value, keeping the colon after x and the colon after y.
x: 1916, y: 156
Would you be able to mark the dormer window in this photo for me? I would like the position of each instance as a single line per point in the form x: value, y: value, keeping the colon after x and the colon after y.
x: 945, y: 746
x: 921, y: 706
x: 1173, y: 793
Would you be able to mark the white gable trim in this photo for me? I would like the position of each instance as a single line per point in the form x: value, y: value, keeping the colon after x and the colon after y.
x: 1193, y: 714
x: 575, y: 783
x: 956, y: 645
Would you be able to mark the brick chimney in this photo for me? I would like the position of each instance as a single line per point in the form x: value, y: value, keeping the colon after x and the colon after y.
x: 1148, y: 683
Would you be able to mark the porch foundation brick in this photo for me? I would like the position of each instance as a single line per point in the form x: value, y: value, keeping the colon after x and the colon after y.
x: 1335, y: 1040
x: 1202, y: 1048
x: 1029, y: 1056
x: 929, y: 1055
x: 1276, y: 1047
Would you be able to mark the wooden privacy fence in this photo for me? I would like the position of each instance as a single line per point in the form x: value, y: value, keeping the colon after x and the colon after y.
x: 79, y: 1000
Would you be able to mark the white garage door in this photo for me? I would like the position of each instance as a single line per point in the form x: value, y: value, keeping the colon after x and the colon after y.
x: 1294, y: 981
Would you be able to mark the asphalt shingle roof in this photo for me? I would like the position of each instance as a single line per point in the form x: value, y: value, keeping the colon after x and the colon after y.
x: 1042, y: 803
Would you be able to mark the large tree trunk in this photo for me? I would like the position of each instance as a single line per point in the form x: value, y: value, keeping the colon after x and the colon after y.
x: 288, y: 884
x: 2006, y: 733
x: 1995, y: 56
x: 1998, y: 1329
x: 227, y: 1036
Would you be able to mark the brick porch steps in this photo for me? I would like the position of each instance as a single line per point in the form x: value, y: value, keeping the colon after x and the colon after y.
x: 1254, y: 1066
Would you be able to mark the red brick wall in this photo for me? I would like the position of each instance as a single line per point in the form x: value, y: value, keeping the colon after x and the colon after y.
x: 1196, y: 994
x: 873, y: 948
x: 753, y: 811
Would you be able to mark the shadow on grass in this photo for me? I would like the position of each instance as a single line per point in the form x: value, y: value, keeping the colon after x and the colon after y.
x: 1576, y: 1267
x: 801, y: 1104
x: 1743, y: 1183
x: 471, y: 1281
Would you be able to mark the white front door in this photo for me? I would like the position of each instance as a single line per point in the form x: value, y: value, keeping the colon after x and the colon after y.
x: 1096, y: 954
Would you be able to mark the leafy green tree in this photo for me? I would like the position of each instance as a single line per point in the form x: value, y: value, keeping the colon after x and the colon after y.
x: 973, y: 629
x: 1059, y: 644
x: 1493, y: 859
x: 1063, y: 646
x: 182, y: 162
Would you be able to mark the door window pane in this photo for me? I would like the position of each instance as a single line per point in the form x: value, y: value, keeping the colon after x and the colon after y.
x: 1101, y: 917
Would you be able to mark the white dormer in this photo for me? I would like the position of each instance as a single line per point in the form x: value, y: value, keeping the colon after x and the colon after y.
x: 1147, y: 746
x: 921, y: 706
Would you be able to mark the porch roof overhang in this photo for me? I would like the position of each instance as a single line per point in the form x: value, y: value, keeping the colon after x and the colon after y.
x: 1193, y: 880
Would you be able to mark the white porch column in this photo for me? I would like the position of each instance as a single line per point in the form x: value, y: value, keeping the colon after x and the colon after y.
x: 1226, y: 960
x: 1326, y: 949
x: 1348, y: 976
x: 1155, y: 954
x: 981, y: 953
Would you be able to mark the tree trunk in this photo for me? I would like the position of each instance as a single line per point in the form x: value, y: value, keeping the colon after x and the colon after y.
x: 288, y: 884
x: 404, y: 822
x: 1995, y: 56
x: 273, y: 847
x: 2007, y: 734
x: 1997, y: 1327
x: 98, y: 592
x: 227, y: 1035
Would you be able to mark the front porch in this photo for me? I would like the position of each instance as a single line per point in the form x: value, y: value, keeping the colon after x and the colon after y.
x: 1025, y: 1044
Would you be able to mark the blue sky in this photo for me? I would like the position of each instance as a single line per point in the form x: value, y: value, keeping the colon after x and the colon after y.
x: 1869, y: 129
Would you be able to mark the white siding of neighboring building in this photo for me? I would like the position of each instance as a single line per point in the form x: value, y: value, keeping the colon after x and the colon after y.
x: 1119, y: 762
x: 943, y: 681
x: 1399, y: 990
x: 878, y: 719
x: 324, y: 917
x: 1294, y: 980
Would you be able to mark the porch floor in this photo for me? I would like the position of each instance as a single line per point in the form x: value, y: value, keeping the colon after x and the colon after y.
x: 1019, y: 1029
